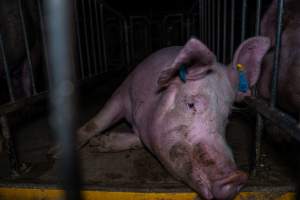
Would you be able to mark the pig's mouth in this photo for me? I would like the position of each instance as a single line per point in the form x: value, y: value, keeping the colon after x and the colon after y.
x: 225, y: 188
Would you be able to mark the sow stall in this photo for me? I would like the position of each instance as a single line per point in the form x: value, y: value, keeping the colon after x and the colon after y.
x: 81, y: 76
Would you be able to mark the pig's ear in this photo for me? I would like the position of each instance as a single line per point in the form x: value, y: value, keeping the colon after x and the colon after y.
x: 249, y: 54
x: 268, y: 23
x: 195, y: 56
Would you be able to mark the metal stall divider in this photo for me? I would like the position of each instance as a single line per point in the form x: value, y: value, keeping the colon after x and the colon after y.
x: 86, y: 59
x: 263, y: 109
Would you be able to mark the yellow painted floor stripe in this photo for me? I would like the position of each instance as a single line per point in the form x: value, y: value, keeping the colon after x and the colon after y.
x: 55, y: 194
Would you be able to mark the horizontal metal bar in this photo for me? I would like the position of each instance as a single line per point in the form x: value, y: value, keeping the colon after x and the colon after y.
x: 277, y: 117
x: 14, y: 106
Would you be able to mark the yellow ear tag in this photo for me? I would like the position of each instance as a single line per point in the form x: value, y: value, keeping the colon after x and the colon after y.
x: 240, y: 67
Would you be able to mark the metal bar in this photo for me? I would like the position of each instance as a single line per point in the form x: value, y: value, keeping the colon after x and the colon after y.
x: 232, y: 27
x: 209, y: 24
x: 276, y: 59
x: 15, y: 106
x: 44, y: 39
x: 127, y: 51
x: 98, y: 38
x: 199, y: 17
x: 7, y: 72
x: 188, y: 27
x: 205, y: 22
x: 79, y: 39
x: 282, y: 120
x: 92, y: 36
x: 224, y: 30
x: 27, y: 48
x: 258, y: 136
x: 258, y: 15
x: 219, y: 29
x: 213, y: 26
x: 244, y: 14
x: 103, y: 38
x: 202, y: 20
x: 86, y: 39
x: 62, y: 93
x: 12, y: 154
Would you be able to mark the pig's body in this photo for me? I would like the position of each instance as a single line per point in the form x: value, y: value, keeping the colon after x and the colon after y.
x: 289, y: 68
x: 181, y: 120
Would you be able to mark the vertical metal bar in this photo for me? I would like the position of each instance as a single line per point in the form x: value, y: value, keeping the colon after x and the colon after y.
x: 276, y: 59
x: 259, y: 118
x: 103, y: 37
x: 258, y: 135
x: 205, y: 21
x: 27, y: 48
x: 127, y: 51
x: 232, y: 27
x: 98, y: 37
x: 224, y: 31
x: 244, y: 14
x: 209, y: 24
x: 12, y: 154
x: 188, y: 31
x: 77, y: 24
x: 7, y: 72
x: 44, y: 39
x: 92, y: 39
x: 219, y: 29
x: 213, y: 26
x: 62, y: 94
x: 86, y: 38
x: 258, y: 15
x: 200, y: 18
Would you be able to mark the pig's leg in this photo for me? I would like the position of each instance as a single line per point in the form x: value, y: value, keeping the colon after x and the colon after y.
x: 111, y: 113
x: 115, y: 142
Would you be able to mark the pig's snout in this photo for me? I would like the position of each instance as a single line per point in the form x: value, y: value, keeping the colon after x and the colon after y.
x: 229, y: 186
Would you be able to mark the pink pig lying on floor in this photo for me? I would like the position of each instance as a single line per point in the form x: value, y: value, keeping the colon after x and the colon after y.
x: 182, y: 122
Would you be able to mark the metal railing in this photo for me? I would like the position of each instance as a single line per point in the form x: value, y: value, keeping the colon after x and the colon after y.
x: 234, y: 22
x: 98, y: 29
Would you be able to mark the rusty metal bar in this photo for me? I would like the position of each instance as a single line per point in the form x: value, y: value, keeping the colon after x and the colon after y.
x: 27, y: 48
x: 7, y: 72
x: 276, y: 59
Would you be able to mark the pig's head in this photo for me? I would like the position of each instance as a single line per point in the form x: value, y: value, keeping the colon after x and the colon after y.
x: 191, y: 116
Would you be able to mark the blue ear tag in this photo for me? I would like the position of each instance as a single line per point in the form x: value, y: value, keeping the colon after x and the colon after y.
x: 182, y: 73
x: 243, y: 82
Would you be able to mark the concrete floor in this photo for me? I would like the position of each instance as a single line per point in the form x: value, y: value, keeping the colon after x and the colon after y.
x: 136, y: 169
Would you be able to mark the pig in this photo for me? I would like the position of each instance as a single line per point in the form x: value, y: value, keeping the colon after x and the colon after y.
x: 14, y: 44
x: 288, y: 92
x: 181, y: 120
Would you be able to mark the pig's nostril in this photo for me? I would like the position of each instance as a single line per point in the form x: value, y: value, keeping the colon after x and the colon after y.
x: 230, y: 186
